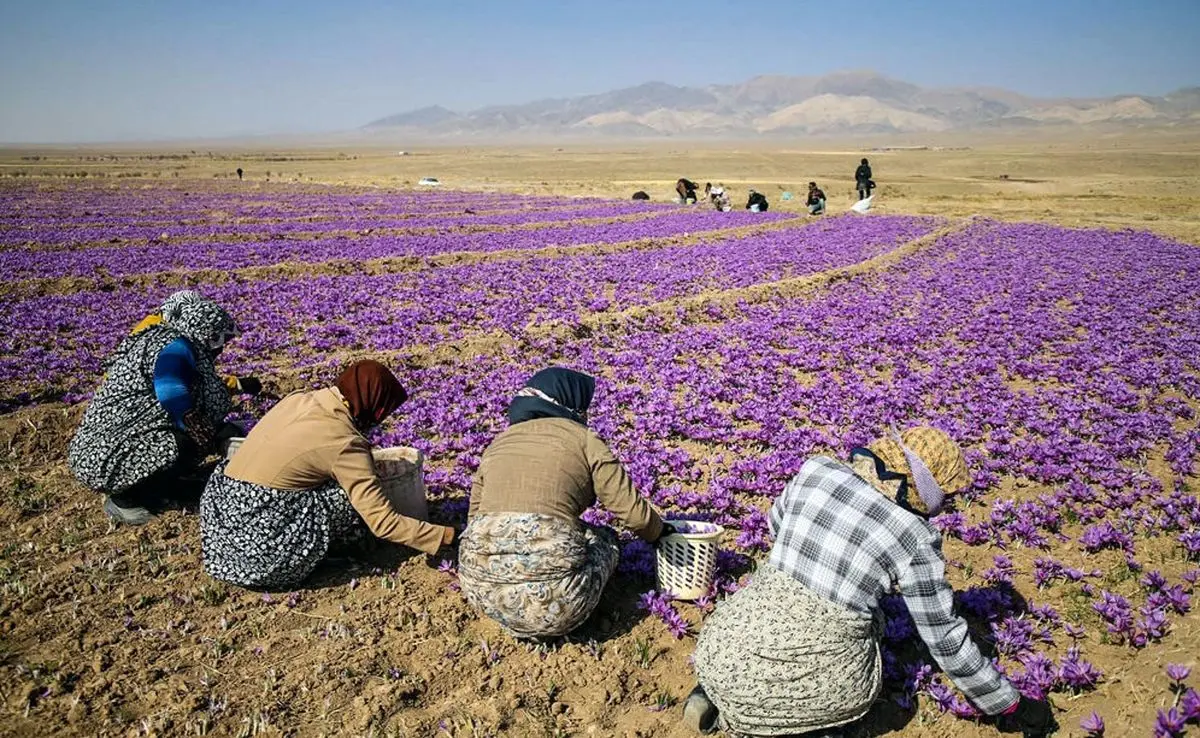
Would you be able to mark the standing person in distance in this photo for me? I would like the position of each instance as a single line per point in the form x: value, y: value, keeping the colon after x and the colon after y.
x: 862, y: 179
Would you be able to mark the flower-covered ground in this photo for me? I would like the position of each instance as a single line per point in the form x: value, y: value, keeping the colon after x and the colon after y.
x: 728, y: 348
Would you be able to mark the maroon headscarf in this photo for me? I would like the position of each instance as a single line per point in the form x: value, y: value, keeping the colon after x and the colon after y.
x: 372, y: 392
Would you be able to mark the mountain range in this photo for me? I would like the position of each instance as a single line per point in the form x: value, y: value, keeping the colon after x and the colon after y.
x: 842, y: 103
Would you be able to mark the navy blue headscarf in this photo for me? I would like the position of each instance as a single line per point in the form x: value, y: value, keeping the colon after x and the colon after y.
x: 553, y: 393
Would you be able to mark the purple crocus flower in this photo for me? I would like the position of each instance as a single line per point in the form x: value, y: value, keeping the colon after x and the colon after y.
x: 1002, y: 571
x: 1039, y: 677
x: 659, y: 604
x: 1189, y: 705
x: 1116, y: 612
x: 1093, y: 725
x: 964, y: 710
x: 1176, y: 599
x: 1178, y: 673
x: 1170, y: 724
x: 942, y: 696
x: 637, y: 558
x: 1153, y: 580
x: 1153, y: 624
x: 1077, y: 674
x: 1013, y: 636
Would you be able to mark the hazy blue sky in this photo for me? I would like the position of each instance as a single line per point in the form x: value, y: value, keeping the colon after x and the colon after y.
x: 88, y: 70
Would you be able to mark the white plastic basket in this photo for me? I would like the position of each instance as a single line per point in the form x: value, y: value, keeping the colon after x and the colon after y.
x: 399, y: 472
x: 687, y: 560
x: 232, y: 445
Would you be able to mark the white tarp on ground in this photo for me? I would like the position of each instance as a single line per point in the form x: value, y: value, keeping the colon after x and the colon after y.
x: 862, y: 206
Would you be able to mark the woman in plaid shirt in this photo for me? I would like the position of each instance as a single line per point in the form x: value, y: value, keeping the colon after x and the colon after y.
x: 797, y: 650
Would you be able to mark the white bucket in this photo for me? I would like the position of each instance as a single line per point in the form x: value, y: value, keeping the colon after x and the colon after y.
x: 232, y: 445
x: 687, y: 560
x: 399, y: 472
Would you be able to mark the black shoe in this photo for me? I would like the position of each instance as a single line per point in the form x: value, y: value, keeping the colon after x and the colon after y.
x: 126, y: 515
x: 699, y: 713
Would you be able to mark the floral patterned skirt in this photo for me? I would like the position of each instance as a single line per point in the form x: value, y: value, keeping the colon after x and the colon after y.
x: 539, y: 576
x: 266, y: 538
x: 777, y: 659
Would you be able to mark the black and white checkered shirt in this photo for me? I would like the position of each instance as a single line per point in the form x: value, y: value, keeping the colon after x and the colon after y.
x: 842, y: 539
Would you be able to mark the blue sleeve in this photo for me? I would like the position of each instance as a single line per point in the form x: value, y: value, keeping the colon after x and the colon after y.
x: 173, y: 374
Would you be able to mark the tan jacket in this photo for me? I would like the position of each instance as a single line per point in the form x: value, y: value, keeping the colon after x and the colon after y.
x: 308, y: 439
x: 558, y: 467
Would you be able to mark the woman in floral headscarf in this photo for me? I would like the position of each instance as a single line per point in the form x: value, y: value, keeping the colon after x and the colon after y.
x: 159, y: 411
x: 303, y: 482
x: 797, y: 650
x: 526, y: 560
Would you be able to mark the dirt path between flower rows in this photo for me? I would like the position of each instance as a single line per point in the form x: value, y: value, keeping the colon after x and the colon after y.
x: 220, y: 218
x: 221, y: 239
x: 693, y: 306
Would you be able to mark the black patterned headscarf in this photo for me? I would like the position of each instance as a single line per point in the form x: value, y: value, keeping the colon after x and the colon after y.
x: 172, y: 307
x: 553, y: 393
x: 205, y: 324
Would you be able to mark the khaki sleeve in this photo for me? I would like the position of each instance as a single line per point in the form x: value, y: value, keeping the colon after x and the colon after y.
x: 615, y: 491
x: 476, y: 492
x: 354, y: 470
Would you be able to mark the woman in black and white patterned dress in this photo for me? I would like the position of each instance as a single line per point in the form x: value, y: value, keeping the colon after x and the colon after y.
x: 158, y: 412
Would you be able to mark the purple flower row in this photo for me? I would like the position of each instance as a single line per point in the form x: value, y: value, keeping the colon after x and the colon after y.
x: 234, y: 255
x: 99, y: 205
x: 118, y: 235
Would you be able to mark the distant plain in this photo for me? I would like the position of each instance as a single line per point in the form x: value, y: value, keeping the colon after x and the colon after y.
x: 1113, y: 178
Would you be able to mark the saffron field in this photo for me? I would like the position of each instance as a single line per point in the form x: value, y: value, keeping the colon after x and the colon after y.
x: 728, y: 347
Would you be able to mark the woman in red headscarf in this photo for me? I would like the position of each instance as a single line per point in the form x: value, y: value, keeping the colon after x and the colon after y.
x: 304, y: 479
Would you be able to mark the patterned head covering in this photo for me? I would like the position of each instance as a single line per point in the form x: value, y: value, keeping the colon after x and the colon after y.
x: 204, y: 323
x: 172, y: 307
x: 931, y: 462
x: 371, y: 391
x: 553, y: 393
